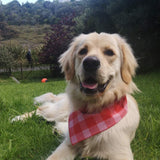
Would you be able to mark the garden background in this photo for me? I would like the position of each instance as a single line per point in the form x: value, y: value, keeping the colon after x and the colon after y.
x: 33, y: 36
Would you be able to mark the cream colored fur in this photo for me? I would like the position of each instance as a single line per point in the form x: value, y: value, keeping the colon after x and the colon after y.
x: 114, y: 143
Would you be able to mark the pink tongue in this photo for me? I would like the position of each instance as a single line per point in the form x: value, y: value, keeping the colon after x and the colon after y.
x: 89, y: 86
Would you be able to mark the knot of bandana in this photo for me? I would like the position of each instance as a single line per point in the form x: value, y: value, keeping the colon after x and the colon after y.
x: 83, y: 125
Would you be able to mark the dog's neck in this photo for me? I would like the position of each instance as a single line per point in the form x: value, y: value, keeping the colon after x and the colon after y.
x: 83, y: 125
x: 95, y: 103
x: 92, y: 103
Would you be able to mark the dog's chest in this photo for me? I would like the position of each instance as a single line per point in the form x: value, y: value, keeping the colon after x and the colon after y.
x: 95, y: 146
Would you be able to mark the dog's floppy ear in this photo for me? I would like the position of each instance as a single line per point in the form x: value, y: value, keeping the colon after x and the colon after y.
x: 67, y: 61
x: 129, y: 63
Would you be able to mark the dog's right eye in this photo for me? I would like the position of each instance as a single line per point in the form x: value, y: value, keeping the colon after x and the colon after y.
x: 83, y: 51
x: 109, y: 52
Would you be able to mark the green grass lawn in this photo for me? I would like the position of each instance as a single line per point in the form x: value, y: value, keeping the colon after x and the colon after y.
x: 34, y: 140
x: 146, y: 145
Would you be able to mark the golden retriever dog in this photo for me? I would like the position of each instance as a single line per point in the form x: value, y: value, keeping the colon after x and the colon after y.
x: 99, y: 70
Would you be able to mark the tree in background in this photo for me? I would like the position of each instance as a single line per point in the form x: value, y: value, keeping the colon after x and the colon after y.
x: 41, y: 12
x: 138, y: 21
x: 13, y: 56
x: 61, y: 34
x: 95, y: 17
x: 57, y: 42
x: 6, y: 60
x: 18, y: 53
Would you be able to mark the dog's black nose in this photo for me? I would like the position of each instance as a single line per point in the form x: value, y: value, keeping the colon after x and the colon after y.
x: 91, y: 64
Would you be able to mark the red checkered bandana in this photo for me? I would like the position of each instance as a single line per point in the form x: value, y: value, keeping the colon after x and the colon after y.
x: 83, y: 125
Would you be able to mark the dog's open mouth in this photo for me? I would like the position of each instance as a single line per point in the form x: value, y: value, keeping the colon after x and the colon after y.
x: 91, y: 85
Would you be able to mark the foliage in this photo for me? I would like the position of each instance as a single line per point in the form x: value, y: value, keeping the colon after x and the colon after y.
x: 28, y: 36
x: 139, y: 21
x: 6, y: 59
x: 57, y: 42
x: 41, y: 12
x: 13, y: 56
x: 6, y: 32
x: 96, y: 17
x: 35, y: 55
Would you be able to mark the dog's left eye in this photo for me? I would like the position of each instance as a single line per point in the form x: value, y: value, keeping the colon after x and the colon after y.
x: 83, y: 51
x: 109, y: 52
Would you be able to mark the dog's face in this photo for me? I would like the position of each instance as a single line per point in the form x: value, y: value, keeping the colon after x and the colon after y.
x: 95, y: 62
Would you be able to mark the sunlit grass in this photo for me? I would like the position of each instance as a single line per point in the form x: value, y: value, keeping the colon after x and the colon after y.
x: 28, y: 140
x: 33, y: 139
x: 147, y: 142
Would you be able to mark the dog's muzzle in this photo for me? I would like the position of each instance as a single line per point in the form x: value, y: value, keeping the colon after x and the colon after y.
x: 90, y: 84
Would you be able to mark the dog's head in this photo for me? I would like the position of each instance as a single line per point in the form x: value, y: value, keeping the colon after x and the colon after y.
x: 95, y: 63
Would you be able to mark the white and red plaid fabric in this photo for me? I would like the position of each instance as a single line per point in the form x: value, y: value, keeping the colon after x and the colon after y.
x: 83, y: 125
